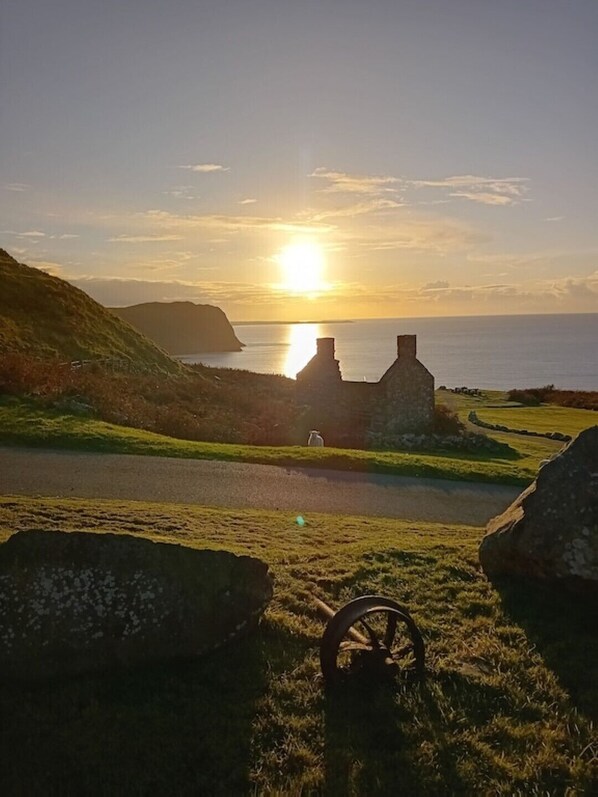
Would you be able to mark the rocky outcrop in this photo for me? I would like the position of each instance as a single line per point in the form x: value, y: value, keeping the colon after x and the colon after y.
x: 551, y: 531
x: 182, y: 327
x: 78, y: 602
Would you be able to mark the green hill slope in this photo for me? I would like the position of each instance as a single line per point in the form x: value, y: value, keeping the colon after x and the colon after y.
x: 182, y: 327
x: 45, y: 316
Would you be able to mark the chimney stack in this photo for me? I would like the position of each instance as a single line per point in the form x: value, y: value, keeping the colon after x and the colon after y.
x: 406, y: 346
x: 325, y: 348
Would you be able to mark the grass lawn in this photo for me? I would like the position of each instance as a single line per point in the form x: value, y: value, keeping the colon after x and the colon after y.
x: 546, y: 418
x: 23, y: 423
x: 493, y: 407
x: 506, y: 708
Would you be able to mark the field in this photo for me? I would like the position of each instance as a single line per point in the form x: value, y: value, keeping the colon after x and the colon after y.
x: 546, y: 418
x: 506, y: 708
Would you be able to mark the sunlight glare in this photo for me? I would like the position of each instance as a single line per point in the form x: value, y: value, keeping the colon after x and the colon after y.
x: 302, y: 264
x: 302, y: 347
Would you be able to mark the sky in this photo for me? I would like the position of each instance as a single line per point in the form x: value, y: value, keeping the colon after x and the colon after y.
x: 305, y: 160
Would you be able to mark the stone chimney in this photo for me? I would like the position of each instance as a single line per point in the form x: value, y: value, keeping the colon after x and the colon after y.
x: 406, y: 346
x: 325, y: 348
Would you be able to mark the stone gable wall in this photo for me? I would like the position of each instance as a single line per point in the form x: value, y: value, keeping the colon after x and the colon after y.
x: 402, y: 401
x: 408, y: 404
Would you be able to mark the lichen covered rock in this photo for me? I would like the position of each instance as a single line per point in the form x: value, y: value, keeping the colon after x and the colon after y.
x: 551, y: 531
x: 79, y: 602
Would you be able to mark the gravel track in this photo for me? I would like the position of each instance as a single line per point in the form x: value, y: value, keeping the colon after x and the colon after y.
x: 242, y: 485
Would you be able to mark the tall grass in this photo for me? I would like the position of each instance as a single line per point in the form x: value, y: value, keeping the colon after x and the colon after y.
x: 212, y: 405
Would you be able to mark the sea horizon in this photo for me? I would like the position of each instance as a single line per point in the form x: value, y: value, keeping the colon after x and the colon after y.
x: 405, y: 317
x: 487, y: 352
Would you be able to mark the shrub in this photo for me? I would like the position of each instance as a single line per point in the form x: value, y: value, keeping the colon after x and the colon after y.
x: 213, y: 405
x: 526, y: 397
x: 446, y: 421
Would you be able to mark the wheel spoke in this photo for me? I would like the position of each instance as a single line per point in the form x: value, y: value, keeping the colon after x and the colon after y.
x: 371, y: 633
x: 352, y: 647
x: 391, y: 629
x: 400, y: 652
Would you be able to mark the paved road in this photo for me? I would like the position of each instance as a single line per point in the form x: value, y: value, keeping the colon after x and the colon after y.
x: 239, y: 485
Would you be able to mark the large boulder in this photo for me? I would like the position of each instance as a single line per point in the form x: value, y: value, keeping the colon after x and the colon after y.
x: 79, y: 602
x: 551, y: 531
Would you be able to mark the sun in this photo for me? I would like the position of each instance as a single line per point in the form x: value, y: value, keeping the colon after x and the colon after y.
x: 302, y: 264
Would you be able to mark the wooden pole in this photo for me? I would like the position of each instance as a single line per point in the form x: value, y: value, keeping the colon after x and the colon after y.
x: 324, y: 609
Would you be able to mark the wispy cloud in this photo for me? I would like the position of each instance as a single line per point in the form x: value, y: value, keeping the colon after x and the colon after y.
x: 233, y: 223
x: 484, y: 198
x: 181, y: 192
x: 248, y: 201
x: 343, y: 183
x: 55, y: 269
x: 485, y: 190
x: 554, y: 218
x: 362, y: 208
x: 141, y: 239
x: 27, y: 234
x: 205, y: 168
x: 578, y: 292
x: 437, y: 235
x: 568, y: 294
x: 116, y: 291
x: 16, y: 187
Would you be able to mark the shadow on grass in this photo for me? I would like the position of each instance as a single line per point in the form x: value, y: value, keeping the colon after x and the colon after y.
x: 564, y: 629
x: 181, y: 728
x: 365, y: 747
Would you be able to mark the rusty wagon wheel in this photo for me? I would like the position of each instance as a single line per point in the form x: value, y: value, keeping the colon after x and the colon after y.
x: 391, y: 642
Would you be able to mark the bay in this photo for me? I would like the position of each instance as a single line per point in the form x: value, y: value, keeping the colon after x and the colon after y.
x: 500, y: 352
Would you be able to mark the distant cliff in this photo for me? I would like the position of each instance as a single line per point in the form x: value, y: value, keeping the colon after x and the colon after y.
x: 44, y: 316
x: 182, y: 327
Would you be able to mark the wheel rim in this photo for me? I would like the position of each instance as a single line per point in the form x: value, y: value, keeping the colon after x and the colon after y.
x: 391, y: 642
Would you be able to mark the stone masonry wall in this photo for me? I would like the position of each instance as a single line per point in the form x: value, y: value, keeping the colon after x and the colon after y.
x: 409, y: 400
x: 402, y: 401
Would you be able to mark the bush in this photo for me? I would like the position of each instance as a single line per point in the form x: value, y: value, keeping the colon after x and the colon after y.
x: 533, y: 396
x: 527, y: 397
x: 446, y: 421
x: 203, y: 404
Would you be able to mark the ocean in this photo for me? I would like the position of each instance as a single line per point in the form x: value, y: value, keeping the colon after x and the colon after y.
x: 500, y: 352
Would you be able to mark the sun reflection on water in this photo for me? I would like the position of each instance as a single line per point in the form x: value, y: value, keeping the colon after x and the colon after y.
x: 302, y: 347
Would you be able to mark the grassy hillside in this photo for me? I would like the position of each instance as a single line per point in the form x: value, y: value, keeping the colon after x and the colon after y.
x: 45, y: 316
x: 506, y: 708
x: 182, y: 327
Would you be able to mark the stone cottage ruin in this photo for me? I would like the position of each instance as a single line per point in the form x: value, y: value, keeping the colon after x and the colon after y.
x: 402, y: 401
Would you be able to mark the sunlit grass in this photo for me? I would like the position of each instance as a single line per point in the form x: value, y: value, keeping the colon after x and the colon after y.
x: 505, y: 709
x: 30, y: 425
x: 546, y: 418
x: 493, y: 407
